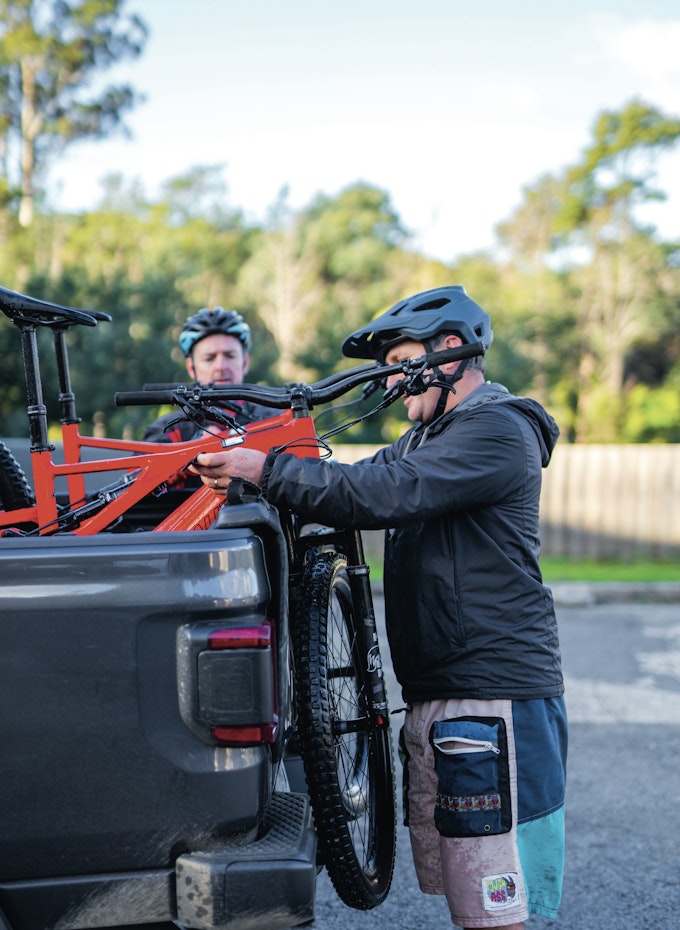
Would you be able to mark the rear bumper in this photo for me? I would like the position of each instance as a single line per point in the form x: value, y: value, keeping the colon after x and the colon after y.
x: 268, y: 884
x: 265, y: 885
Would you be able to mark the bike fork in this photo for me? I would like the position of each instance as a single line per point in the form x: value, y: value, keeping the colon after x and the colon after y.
x: 367, y: 634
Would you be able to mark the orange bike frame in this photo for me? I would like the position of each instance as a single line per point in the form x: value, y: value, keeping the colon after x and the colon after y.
x: 150, y: 465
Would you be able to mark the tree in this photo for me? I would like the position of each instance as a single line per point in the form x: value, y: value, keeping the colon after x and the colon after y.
x: 315, y: 274
x: 620, y: 279
x: 355, y: 238
x: 50, y: 52
x: 281, y: 280
x: 531, y: 287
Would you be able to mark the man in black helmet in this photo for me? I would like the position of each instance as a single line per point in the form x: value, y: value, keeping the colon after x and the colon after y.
x: 216, y: 346
x: 471, y: 626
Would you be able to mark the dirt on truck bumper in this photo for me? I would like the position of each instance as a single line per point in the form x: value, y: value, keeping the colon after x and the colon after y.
x: 269, y: 883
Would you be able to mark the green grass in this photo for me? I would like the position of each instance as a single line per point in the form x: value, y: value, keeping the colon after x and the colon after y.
x: 563, y: 569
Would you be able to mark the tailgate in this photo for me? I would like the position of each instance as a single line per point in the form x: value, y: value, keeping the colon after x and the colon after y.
x: 99, y: 772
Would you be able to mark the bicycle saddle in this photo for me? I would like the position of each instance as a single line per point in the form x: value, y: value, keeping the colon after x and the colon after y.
x: 24, y: 310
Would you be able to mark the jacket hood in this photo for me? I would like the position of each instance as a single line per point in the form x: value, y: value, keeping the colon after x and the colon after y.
x: 545, y: 427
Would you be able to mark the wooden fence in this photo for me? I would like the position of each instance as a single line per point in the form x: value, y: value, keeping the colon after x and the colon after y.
x: 612, y: 501
x: 604, y: 501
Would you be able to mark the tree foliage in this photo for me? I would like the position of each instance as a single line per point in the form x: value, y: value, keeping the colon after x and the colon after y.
x: 50, y: 53
x: 619, y: 277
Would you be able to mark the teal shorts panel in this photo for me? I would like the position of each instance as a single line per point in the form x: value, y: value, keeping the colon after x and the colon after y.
x: 540, y: 844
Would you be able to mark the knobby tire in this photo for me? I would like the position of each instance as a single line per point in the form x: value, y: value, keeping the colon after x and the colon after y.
x: 15, y: 491
x: 347, y: 756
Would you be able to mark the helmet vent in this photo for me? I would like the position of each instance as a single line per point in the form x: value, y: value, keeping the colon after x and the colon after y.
x: 430, y: 305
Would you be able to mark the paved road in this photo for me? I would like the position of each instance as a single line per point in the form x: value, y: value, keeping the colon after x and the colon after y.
x: 622, y: 664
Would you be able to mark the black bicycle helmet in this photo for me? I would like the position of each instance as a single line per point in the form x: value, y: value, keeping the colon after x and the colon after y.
x: 211, y: 322
x: 422, y: 317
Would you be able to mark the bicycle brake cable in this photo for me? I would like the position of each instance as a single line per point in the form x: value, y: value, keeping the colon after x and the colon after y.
x: 388, y: 398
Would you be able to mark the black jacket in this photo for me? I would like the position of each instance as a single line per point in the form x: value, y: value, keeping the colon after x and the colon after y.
x: 467, y: 612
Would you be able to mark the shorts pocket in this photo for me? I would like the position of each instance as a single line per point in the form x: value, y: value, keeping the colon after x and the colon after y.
x: 471, y: 763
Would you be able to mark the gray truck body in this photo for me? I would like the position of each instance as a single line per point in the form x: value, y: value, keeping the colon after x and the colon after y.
x: 119, y: 805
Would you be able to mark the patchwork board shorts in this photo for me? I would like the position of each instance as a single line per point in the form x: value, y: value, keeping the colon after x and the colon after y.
x: 484, y: 788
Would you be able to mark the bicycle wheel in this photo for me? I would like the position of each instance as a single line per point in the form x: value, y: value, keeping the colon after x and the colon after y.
x: 15, y: 491
x: 347, y: 755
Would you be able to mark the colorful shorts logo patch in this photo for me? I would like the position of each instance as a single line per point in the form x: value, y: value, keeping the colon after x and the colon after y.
x: 500, y: 891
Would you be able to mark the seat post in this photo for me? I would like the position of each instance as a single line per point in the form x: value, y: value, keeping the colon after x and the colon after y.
x: 36, y: 409
x: 67, y: 399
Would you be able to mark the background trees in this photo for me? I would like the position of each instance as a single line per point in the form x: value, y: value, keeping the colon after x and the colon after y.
x: 49, y: 53
x: 620, y: 286
x: 619, y: 283
x: 585, y: 299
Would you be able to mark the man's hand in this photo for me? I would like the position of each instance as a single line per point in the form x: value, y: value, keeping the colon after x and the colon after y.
x: 216, y: 469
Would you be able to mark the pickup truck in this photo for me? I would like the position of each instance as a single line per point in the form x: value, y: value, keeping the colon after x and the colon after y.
x: 145, y: 710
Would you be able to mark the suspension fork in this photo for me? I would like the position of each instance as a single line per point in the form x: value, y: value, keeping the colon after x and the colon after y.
x: 367, y: 633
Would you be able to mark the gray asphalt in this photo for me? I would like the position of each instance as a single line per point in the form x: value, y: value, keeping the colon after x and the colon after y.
x: 621, y: 658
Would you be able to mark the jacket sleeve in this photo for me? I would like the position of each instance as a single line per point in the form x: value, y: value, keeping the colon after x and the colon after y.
x: 473, y: 462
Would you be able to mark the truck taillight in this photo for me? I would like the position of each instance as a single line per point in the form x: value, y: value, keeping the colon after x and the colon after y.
x: 248, y: 637
x: 237, y: 685
x: 246, y: 736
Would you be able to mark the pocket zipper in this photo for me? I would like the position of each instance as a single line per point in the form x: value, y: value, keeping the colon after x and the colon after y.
x: 470, y: 745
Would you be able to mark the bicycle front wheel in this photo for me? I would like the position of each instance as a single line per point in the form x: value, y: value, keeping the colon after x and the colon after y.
x: 346, y: 750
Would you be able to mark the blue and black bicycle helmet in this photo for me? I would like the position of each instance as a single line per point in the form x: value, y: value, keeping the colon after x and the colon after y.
x: 211, y: 322
x: 420, y: 318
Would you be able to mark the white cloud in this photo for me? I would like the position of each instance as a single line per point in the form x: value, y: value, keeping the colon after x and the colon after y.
x: 645, y: 52
x: 649, y: 47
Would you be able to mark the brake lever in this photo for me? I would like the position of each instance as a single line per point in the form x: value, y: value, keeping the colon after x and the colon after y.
x: 393, y: 393
x: 200, y: 413
x: 415, y: 380
x: 371, y: 387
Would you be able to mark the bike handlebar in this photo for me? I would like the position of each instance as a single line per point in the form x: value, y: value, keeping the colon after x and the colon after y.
x: 320, y: 392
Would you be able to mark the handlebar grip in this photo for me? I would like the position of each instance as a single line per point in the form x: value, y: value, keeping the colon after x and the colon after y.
x: 142, y: 398
x: 443, y: 356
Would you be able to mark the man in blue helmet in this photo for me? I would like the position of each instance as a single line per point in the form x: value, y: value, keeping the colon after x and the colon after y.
x: 471, y: 626
x: 216, y: 347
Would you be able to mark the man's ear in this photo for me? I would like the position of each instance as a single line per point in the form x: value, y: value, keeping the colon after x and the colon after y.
x: 246, y: 363
x: 450, y: 341
x: 190, y: 368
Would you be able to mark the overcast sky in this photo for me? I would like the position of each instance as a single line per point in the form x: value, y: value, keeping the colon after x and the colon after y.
x: 452, y: 107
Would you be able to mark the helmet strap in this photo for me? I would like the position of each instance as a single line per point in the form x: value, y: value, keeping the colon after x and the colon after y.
x: 446, y: 383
